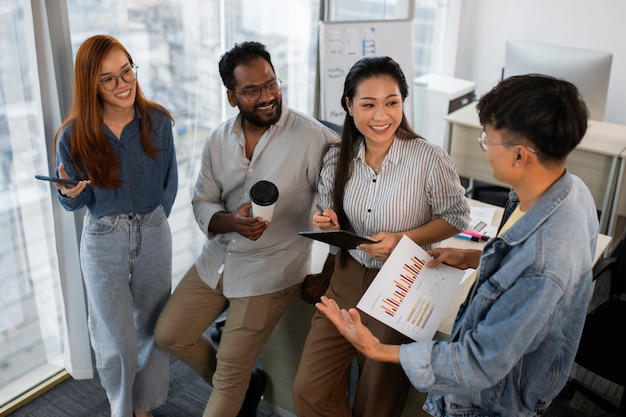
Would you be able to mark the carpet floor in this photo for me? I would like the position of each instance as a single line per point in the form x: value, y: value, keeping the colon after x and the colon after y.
x: 187, y: 397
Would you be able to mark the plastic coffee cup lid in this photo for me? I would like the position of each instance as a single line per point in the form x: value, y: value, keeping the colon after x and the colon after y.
x: 264, y: 193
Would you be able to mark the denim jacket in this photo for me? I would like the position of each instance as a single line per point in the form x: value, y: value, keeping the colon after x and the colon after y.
x: 516, y: 335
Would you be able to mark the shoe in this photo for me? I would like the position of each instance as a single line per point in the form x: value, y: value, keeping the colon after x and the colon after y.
x: 254, y: 394
x: 216, y: 332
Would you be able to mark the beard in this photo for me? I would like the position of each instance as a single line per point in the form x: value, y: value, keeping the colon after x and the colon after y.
x: 259, y: 121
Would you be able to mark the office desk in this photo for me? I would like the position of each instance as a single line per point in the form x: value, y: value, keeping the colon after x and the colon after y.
x: 282, y: 352
x: 596, y: 160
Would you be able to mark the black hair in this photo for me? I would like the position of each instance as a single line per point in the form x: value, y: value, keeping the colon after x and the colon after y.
x: 548, y: 112
x: 241, y: 53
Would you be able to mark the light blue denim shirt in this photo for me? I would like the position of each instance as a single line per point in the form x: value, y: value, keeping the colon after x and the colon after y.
x: 146, y: 182
x: 516, y: 335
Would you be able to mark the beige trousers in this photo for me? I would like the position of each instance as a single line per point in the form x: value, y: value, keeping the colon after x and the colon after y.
x: 322, y: 382
x: 250, y: 321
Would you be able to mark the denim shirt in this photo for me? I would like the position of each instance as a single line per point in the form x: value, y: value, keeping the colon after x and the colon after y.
x: 146, y: 182
x: 516, y: 335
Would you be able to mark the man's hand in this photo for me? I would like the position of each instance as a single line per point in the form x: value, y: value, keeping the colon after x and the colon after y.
x: 250, y: 227
x: 458, y: 258
x: 349, y: 324
x: 238, y: 221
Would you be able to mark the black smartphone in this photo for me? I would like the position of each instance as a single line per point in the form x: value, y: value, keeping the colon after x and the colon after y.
x: 55, y: 179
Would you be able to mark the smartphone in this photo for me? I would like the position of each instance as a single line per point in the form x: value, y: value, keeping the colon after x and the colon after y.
x: 55, y: 179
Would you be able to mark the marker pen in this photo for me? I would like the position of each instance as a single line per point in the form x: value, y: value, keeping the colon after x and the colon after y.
x: 468, y: 237
x: 477, y: 235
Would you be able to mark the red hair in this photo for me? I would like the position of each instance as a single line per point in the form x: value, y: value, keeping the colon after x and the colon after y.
x: 91, y: 153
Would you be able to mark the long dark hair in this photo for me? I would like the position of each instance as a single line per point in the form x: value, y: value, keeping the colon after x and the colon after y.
x: 362, y: 70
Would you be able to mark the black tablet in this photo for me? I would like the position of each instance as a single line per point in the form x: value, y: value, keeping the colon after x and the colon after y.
x: 340, y: 238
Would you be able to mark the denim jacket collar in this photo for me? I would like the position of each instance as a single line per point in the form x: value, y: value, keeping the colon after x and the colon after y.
x: 538, y: 213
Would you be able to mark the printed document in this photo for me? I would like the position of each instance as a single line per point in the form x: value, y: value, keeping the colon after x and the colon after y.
x: 407, y: 295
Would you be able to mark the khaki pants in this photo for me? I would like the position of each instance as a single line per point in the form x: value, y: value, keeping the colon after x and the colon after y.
x: 322, y: 383
x: 250, y: 321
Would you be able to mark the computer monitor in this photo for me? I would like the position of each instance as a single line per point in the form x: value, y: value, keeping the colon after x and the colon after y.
x: 589, y: 70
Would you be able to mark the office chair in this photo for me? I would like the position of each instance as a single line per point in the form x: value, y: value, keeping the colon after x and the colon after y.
x: 489, y: 193
x: 602, y: 349
x: 331, y: 125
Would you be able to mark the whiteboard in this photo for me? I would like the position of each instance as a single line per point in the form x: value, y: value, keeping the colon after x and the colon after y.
x: 344, y: 43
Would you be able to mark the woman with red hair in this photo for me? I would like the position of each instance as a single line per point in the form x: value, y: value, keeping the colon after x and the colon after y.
x: 119, y: 146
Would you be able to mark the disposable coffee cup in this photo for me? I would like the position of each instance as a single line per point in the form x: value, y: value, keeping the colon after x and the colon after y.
x: 263, y: 195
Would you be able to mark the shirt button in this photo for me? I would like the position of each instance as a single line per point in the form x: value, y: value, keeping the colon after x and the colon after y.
x: 369, y: 210
x: 374, y: 180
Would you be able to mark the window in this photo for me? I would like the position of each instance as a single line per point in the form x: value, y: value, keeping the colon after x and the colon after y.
x: 31, y: 308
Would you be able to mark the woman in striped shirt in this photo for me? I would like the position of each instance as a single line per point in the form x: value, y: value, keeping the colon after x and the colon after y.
x: 383, y: 181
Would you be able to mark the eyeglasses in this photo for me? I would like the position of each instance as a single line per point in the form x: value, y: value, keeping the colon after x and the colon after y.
x: 482, y: 141
x: 129, y: 75
x: 254, y: 93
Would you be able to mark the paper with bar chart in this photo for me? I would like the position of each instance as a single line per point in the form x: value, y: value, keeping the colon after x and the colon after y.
x: 408, y: 296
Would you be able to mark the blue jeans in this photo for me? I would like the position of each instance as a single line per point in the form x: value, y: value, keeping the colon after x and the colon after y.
x: 126, y: 262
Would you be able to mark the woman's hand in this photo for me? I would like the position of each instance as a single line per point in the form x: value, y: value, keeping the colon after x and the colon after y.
x: 68, y: 190
x: 326, y: 220
x: 385, y: 244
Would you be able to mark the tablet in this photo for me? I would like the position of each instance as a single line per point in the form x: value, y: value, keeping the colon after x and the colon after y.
x: 340, y: 238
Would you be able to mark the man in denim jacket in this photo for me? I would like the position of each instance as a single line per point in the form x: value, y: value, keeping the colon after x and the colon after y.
x: 516, y: 335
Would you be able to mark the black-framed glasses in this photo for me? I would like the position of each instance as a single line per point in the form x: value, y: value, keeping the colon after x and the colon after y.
x: 482, y: 141
x: 254, y: 93
x: 110, y: 82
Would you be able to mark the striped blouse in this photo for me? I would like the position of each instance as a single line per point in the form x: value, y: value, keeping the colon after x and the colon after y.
x: 416, y: 183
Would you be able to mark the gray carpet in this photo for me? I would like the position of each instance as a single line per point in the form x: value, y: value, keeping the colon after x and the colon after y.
x: 187, y: 397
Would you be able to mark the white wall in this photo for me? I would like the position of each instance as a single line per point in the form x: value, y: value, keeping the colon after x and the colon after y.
x: 593, y: 24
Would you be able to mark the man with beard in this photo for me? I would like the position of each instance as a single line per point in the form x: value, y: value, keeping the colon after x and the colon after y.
x: 250, y: 266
